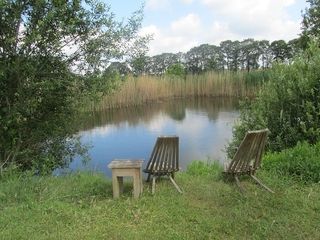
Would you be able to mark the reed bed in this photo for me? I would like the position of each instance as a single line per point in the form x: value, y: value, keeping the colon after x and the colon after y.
x: 143, y: 89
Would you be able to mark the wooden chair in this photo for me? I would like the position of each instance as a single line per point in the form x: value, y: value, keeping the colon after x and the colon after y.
x: 164, y: 160
x: 248, y: 157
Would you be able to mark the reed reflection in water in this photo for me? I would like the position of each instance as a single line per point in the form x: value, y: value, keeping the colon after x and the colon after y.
x: 203, y: 125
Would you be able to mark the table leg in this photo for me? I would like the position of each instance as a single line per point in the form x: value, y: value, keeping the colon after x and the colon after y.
x: 117, y: 185
x: 120, y: 182
x: 141, y: 183
x: 136, y: 184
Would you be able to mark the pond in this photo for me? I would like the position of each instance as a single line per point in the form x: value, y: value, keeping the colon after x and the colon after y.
x: 204, y: 127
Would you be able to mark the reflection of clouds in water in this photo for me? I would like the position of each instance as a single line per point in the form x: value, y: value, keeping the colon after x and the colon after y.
x: 192, y: 133
x: 103, y: 131
x: 223, y: 133
x: 192, y: 125
x: 158, y: 123
x: 227, y: 117
x: 202, y: 139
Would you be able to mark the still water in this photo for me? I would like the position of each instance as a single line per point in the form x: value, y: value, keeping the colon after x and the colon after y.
x: 204, y: 127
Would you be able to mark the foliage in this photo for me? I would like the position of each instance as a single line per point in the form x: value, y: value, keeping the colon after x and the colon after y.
x: 176, y: 70
x: 119, y: 67
x: 311, y: 23
x: 51, y: 55
x: 138, y: 65
x: 204, y: 58
x: 80, y: 206
x: 288, y: 104
x: 248, y: 55
x: 280, y: 50
x: 301, y: 162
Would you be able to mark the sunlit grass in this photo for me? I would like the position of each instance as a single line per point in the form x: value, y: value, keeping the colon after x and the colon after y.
x: 80, y: 206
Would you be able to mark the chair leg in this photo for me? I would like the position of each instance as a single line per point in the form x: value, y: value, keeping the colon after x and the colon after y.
x: 261, y: 184
x: 153, y: 185
x: 238, y: 183
x: 175, y: 184
x: 148, y: 178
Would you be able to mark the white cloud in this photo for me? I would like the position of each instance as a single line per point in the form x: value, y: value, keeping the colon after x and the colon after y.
x: 222, y: 20
x: 175, y: 39
x: 218, y: 32
x: 187, y: 1
x: 188, y: 25
x: 246, y: 6
x: 150, y: 29
x: 266, y: 19
x: 156, y: 4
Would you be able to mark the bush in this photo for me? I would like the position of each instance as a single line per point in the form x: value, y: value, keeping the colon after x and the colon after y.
x: 176, y: 70
x: 301, y: 162
x: 288, y: 104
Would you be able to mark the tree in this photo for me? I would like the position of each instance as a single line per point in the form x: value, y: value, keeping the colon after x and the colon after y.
x: 139, y: 64
x: 280, y: 50
x: 295, y: 47
x: 119, y: 67
x: 158, y: 64
x: 176, y: 70
x: 203, y: 58
x: 52, y: 53
x: 250, y: 51
x: 235, y: 55
x: 266, y: 55
x: 311, y: 23
x: 226, y: 49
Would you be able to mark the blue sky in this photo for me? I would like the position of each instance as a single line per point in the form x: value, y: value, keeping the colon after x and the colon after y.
x: 178, y: 25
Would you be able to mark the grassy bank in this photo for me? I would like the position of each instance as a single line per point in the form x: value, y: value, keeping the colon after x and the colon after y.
x: 142, y: 89
x: 80, y: 206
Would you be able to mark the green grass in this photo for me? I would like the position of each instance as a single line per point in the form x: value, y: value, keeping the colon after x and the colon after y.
x: 80, y: 206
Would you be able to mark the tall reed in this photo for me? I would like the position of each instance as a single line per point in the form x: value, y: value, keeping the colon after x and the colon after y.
x: 138, y: 90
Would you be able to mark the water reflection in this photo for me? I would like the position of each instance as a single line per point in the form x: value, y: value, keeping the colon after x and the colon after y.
x: 203, y: 125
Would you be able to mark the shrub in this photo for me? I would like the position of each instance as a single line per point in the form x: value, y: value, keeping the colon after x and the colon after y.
x: 301, y: 162
x: 288, y: 104
x: 176, y: 70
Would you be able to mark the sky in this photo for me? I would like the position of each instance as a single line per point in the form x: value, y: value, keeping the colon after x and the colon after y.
x: 179, y: 25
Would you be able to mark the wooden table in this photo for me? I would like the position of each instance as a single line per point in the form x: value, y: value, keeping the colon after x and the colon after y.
x: 126, y: 167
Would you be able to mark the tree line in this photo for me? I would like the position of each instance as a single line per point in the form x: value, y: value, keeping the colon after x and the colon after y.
x: 248, y: 55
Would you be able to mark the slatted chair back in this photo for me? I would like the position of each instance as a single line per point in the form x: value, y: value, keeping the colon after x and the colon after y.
x: 164, y: 158
x: 248, y: 156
